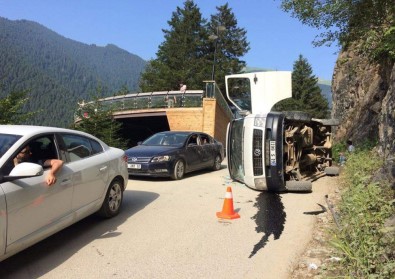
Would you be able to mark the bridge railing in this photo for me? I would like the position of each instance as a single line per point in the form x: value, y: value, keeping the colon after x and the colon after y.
x: 160, y: 99
x: 167, y: 99
x: 213, y: 91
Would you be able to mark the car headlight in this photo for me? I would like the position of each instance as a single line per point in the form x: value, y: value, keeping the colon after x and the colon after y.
x: 161, y: 159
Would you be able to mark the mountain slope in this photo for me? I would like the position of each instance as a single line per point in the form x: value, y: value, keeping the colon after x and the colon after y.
x: 58, y: 71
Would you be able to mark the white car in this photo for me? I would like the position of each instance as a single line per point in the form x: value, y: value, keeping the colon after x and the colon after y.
x: 92, y: 179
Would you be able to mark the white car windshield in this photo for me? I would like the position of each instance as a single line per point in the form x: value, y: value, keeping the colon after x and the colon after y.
x: 6, y: 141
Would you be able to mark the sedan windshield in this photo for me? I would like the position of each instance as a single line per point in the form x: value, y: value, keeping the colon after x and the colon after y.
x: 166, y: 139
x: 6, y: 141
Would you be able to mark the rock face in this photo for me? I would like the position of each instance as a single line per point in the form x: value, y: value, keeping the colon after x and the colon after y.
x: 364, y: 101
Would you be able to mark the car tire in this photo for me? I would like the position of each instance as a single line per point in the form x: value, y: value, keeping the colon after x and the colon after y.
x: 217, y: 163
x: 113, y: 200
x: 299, y: 186
x: 297, y: 115
x: 332, y: 171
x: 179, y: 170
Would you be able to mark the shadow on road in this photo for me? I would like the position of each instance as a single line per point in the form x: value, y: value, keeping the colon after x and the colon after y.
x: 270, y: 218
x: 53, y: 251
x: 159, y: 179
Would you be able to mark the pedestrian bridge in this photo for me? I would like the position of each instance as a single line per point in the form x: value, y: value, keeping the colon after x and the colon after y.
x: 144, y: 114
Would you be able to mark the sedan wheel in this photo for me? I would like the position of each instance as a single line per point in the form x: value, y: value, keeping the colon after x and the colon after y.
x: 217, y: 163
x: 113, y: 200
x: 179, y: 170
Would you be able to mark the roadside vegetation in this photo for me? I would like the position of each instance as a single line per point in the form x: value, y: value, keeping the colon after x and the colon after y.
x: 11, y: 108
x: 364, y: 241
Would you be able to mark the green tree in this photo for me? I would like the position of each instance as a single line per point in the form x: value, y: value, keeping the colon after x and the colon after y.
x: 367, y: 21
x: 191, y: 48
x: 123, y: 91
x: 11, y: 108
x: 306, y: 94
x: 181, y: 57
x: 95, y: 119
x: 229, y: 44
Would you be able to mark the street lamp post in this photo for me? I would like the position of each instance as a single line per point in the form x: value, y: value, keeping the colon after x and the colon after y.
x: 215, y: 37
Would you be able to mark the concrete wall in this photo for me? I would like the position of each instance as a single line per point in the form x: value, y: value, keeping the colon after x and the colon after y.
x: 210, y: 119
x: 221, y: 124
x: 185, y: 119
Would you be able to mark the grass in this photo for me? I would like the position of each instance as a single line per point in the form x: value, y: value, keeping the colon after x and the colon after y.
x: 364, y: 246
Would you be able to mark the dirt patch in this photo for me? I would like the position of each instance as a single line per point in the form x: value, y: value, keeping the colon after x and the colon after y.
x: 319, y: 253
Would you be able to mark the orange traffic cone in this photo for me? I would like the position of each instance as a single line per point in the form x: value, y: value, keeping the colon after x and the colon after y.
x: 227, y: 209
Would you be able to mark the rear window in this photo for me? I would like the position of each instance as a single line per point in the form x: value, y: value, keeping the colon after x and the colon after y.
x: 79, y: 147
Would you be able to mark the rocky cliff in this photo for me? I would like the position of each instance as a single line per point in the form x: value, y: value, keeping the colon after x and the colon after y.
x: 364, y: 100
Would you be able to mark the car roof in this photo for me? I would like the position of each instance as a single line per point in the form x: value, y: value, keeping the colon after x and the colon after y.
x: 31, y: 130
x: 181, y: 132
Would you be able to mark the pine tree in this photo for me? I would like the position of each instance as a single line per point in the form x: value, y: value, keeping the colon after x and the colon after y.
x: 181, y: 57
x: 306, y: 94
x: 231, y: 44
x: 187, y: 54
x: 11, y: 108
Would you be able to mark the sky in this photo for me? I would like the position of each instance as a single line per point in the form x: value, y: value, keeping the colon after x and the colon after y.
x: 276, y: 39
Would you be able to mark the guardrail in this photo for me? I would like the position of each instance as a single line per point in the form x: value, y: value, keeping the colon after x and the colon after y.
x: 161, y: 99
x: 213, y: 91
x: 166, y: 99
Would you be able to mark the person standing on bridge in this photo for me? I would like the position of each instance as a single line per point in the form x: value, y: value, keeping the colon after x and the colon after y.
x: 170, y: 100
x: 183, y: 87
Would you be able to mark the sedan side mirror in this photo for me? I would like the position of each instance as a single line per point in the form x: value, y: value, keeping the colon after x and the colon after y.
x: 23, y: 170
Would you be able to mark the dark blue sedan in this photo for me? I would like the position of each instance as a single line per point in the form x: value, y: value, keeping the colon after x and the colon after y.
x: 173, y: 153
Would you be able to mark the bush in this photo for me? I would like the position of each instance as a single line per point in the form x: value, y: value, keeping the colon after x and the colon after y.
x: 362, y: 242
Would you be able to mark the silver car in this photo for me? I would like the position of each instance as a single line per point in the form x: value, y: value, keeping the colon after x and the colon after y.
x: 92, y: 179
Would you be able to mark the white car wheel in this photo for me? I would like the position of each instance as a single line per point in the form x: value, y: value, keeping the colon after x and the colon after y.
x: 113, y: 200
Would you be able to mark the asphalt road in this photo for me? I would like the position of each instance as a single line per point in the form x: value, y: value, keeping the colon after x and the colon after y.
x: 169, y: 229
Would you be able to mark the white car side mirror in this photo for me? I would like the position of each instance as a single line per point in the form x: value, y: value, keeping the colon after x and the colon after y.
x: 27, y: 169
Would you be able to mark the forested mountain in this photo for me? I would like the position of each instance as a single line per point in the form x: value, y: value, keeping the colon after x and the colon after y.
x: 58, y: 71
x: 326, y: 90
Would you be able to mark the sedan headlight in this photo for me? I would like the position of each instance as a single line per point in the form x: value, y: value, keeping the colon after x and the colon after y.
x: 161, y: 159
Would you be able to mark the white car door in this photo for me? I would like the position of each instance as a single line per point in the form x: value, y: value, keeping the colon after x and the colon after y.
x: 89, y: 165
x: 33, y: 207
x: 3, y: 222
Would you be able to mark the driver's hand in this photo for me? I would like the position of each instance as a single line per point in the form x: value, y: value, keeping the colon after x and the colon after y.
x: 51, y: 179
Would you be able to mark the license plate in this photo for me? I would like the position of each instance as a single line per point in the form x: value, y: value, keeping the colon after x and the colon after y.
x: 134, y: 166
x: 272, y: 153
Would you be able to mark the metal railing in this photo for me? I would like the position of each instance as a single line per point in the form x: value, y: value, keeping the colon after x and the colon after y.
x: 160, y: 99
x: 213, y: 91
x: 166, y: 99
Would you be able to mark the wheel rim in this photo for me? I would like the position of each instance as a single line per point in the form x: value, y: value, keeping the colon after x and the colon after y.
x: 115, y: 197
x: 217, y: 163
x: 180, y: 169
